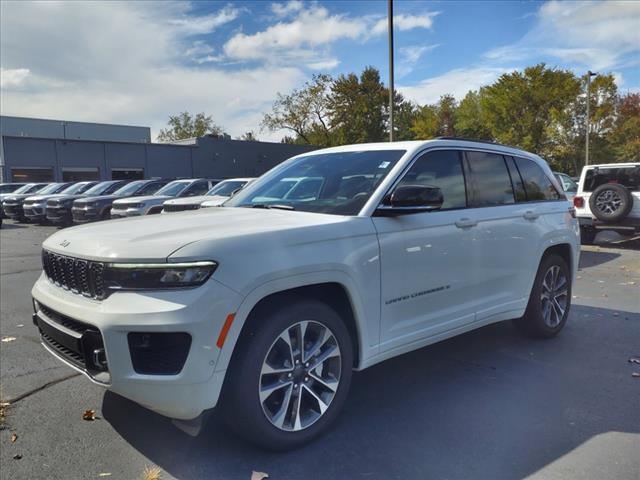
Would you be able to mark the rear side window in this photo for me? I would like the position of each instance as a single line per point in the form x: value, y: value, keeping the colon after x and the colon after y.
x: 516, y: 180
x: 150, y: 188
x: 112, y: 188
x: 488, y: 181
x: 440, y: 168
x: 536, y: 183
x: 629, y: 177
x: 197, y: 188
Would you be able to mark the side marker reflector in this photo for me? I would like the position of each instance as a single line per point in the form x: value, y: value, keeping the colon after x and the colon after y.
x: 225, y: 330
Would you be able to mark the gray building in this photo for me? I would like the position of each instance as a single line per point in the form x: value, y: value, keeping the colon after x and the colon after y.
x: 51, y: 150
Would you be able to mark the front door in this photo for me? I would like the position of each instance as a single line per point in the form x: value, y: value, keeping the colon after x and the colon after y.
x: 426, y: 258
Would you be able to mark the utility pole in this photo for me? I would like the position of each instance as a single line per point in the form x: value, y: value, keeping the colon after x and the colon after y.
x: 586, y: 148
x: 391, y: 91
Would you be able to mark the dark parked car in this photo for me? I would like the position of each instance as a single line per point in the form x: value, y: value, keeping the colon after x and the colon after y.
x: 13, y: 204
x: 28, y: 188
x: 35, y: 207
x: 6, y: 188
x: 58, y: 209
x: 94, y: 208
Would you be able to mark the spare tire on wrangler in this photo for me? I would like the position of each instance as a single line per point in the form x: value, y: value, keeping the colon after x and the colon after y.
x: 611, y: 202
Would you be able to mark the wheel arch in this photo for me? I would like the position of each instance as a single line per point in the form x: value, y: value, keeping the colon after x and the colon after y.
x: 338, y: 294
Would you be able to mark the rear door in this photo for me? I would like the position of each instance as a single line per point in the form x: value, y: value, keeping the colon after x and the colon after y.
x: 505, y: 232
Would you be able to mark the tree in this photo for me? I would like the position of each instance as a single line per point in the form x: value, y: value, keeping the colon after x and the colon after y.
x: 469, y: 122
x: 357, y: 107
x: 436, y: 120
x: 184, y: 125
x: 625, y: 136
x: 304, y: 112
x: 519, y: 107
x: 248, y: 137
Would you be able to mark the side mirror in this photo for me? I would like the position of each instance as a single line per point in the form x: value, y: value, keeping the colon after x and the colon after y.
x: 407, y: 199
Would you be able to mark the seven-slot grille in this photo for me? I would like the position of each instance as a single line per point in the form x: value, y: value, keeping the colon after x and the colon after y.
x: 180, y: 208
x: 79, y: 276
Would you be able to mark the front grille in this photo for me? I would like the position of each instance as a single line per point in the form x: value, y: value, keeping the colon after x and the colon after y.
x: 180, y: 208
x: 76, y: 342
x: 12, y: 209
x: 73, y: 274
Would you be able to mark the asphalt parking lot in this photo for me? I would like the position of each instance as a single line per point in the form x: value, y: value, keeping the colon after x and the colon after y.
x: 486, y: 405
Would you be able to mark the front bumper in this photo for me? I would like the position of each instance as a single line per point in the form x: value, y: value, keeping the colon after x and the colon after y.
x: 35, y: 212
x: 128, y: 212
x: 84, y: 215
x: 200, y: 312
x: 58, y: 214
x: 13, y: 211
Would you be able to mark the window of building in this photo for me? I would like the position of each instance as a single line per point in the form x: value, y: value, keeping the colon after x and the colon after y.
x: 80, y: 174
x: 536, y: 183
x: 443, y: 169
x: 488, y: 180
x: 35, y: 174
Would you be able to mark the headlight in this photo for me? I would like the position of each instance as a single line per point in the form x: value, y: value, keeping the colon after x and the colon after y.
x: 134, y: 205
x: 157, y: 276
x: 90, y: 205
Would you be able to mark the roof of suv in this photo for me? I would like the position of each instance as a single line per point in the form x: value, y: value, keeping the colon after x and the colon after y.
x: 414, y: 145
x: 614, y: 165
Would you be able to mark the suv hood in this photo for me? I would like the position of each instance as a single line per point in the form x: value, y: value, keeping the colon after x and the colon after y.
x: 97, y: 198
x: 16, y: 198
x: 156, y: 237
x: 143, y: 199
x: 189, y: 200
x: 40, y: 198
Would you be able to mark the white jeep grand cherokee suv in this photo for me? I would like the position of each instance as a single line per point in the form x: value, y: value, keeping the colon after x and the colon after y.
x: 608, y: 198
x: 265, y: 307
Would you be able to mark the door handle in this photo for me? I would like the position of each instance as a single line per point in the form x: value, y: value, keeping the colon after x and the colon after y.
x: 530, y: 215
x: 466, y: 223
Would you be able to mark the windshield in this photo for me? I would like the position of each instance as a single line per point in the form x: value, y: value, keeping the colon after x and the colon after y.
x: 77, y: 188
x: 52, y: 188
x: 24, y: 189
x: 173, y: 189
x: 336, y: 183
x: 8, y: 188
x: 98, y: 188
x: 130, y: 188
x: 226, y: 188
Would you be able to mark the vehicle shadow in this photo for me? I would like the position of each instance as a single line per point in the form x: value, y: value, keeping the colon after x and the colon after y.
x: 592, y: 258
x: 487, y: 404
x: 9, y: 226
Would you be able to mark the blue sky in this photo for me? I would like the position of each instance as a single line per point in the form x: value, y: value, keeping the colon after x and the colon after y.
x: 138, y: 62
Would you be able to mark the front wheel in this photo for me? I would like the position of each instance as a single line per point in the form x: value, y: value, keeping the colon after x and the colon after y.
x: 289, y: 376
x: 550, y: 299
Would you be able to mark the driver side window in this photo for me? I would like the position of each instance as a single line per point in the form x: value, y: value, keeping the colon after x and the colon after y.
x: 443, y: 169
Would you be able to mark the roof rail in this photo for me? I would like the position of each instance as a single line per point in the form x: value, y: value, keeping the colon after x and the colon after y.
x: 465, y: 139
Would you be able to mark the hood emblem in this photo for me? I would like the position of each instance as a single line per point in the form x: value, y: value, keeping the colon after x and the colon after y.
x: 64, y: 243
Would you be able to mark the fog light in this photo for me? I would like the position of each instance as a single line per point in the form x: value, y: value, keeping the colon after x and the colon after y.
x: 158, y: 353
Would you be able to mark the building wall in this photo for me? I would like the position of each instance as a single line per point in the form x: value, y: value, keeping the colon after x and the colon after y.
x: 209, y: 157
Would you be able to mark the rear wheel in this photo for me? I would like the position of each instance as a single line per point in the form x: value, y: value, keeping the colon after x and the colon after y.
x: 550, y: 299
x: 290, y: 375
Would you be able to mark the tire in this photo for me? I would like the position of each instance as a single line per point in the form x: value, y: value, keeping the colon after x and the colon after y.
x: 611, y: 202
x: 260, y: 420
x: 535, y: 322
x: 587, y: 235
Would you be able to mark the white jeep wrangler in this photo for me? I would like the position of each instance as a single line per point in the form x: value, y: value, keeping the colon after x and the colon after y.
x: 608, y: 198
x: 264, y: 307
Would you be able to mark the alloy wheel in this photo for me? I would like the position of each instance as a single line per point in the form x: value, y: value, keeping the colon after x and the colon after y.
x: 608, y: 201
x: 554, y: 297
x: 300, y: 376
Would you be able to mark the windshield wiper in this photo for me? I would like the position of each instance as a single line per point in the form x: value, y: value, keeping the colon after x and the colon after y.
x: 272, y: 205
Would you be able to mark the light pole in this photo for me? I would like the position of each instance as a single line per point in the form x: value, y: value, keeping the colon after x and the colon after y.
x: 390, y: 14
x: 586, y: 149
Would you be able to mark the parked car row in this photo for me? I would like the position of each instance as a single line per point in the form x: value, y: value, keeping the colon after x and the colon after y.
x: 88, y: 201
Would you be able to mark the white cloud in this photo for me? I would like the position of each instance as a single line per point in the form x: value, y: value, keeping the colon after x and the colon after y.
x: 286, y: 9
x: 15, y: 77
x: 405, y: 22
x: 456, y: 82
x: 594, y: 35
x: 409, y: 57
x: 126, y: 62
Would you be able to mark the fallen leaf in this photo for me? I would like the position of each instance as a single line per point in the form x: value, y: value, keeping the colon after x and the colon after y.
x: 14, y: 437
x: 8, y: 339
x: 634, y: 360
x: 259, y: 475
x: 151, y: 473
x: 631, y: 283
x: 89, y: 415
x: 17, y: 456
x: 636, y: 374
